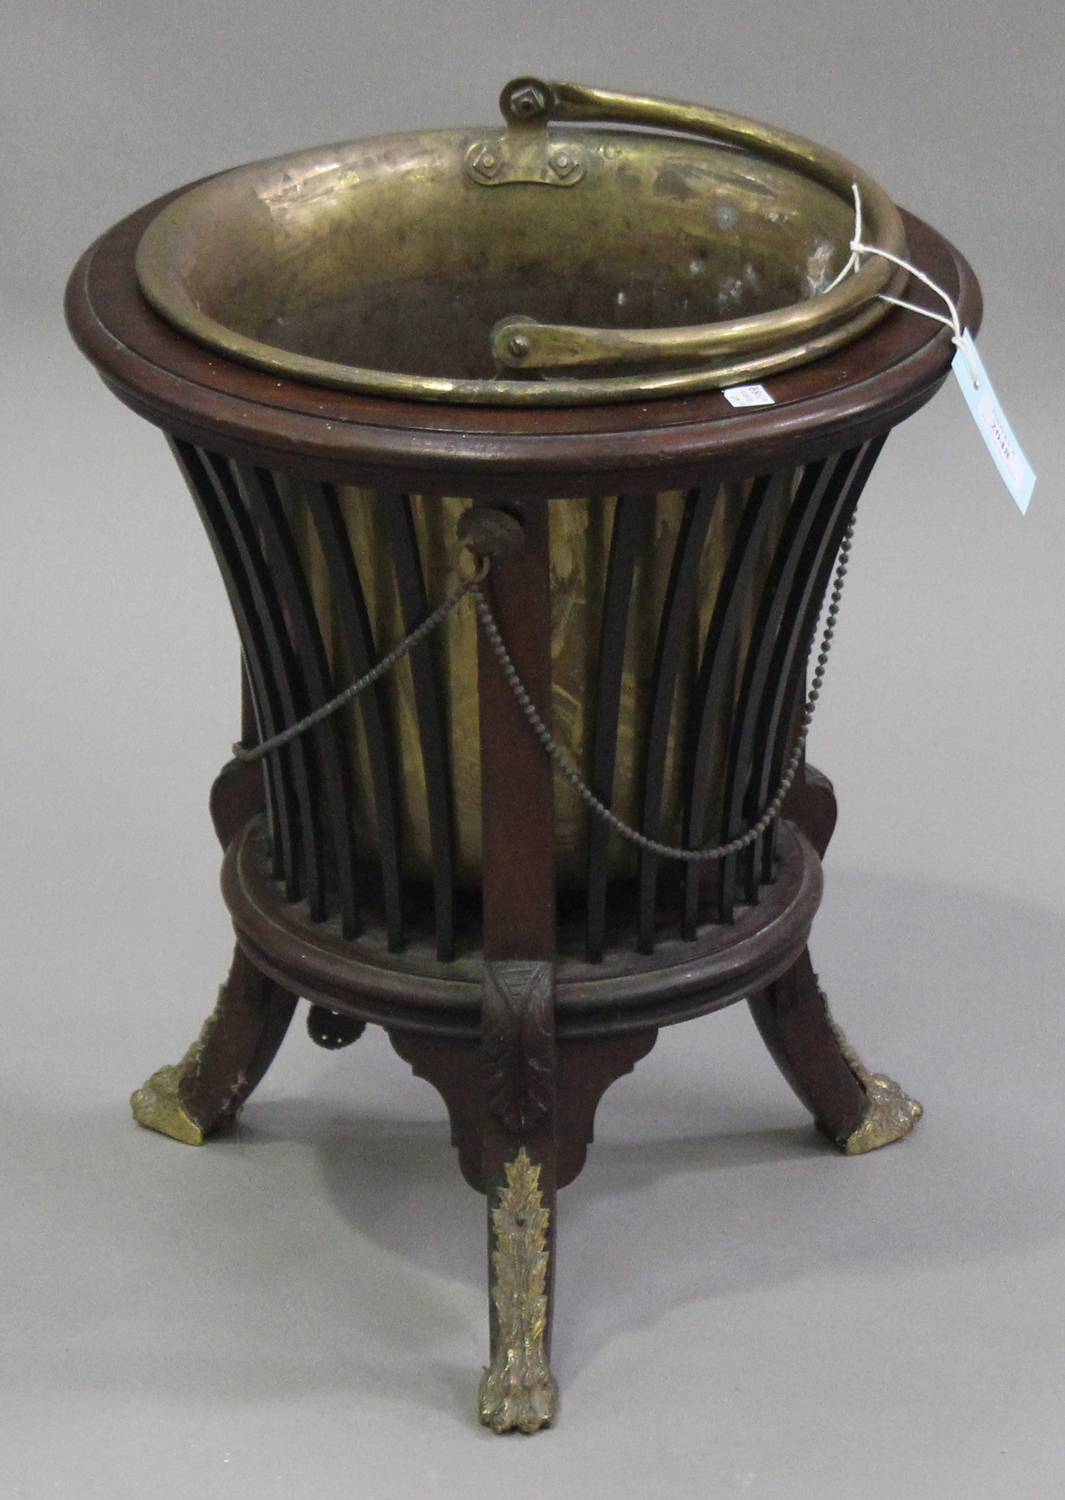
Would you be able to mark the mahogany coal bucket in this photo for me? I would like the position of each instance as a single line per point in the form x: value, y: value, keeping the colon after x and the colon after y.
x: 525, y: 604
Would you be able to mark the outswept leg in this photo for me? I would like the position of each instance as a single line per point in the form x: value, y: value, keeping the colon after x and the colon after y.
x: 237, y: 1044
x: 240, y: 1037
x: 859, y: 1110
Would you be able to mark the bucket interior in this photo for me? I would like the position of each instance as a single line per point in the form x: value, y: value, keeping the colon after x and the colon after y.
x: 388, y: 255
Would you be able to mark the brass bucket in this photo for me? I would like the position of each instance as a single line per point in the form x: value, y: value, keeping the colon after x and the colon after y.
x: 527, y: 265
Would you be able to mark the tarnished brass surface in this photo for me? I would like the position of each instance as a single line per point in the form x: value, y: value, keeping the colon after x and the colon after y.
x: 159, y: 1105
x: 580, y: 533
x: 890, y: 1113
x: 518, y: 1390
x: 692, y: 251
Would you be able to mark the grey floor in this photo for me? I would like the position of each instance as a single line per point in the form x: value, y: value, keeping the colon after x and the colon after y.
x: 297, y: 1311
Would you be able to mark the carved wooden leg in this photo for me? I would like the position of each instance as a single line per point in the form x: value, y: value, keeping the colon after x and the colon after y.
x: 240, y: 1038
x: 521, y: 1181
x: 500, y: 1099
x: 522, y: 1130
x: 207, y: 1088
x: 518, y: 1021
x: 858, y: 1109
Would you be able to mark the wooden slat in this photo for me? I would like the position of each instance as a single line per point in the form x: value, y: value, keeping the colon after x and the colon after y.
x: 263, y: 600
x: 736, y: 811
x: 788, y: 671
x: 764, y: 779
x: 281, y: 799
x: 349, y: 602
x: 621, y: 566
x: 676, y: 620
x: 282, y: 557
x: 712, y: 699
x: 429, y: 707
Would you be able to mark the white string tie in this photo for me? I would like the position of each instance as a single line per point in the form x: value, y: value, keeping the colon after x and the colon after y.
x: 859, y: 249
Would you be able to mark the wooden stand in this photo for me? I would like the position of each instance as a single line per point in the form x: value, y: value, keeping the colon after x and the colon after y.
x: 519, y: 1030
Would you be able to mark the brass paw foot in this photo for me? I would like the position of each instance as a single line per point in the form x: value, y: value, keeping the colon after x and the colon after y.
x: 890, y: 1115
x: 162, y: 1103
x: 158, y: 1105
x: 509, y: 1400
x: 518, y: 1390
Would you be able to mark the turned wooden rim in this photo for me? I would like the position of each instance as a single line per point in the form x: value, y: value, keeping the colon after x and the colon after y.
x: 856, y: 393
x: 414, y: 991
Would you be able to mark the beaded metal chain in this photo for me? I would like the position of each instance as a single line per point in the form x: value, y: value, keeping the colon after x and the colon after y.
x: 472, y: 586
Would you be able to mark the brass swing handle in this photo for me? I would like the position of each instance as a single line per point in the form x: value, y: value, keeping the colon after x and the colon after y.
x: 521, y: 343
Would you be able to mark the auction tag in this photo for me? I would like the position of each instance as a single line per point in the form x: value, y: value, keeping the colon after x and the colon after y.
x: 748, y: 395
x: 988, y: 415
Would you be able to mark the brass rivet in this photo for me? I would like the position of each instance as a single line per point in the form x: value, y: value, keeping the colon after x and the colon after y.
x: 484, y: 161
x: 518, y: 346
x: 564, y: 165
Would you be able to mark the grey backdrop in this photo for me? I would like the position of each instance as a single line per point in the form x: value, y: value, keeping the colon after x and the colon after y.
x: 298, y: 1310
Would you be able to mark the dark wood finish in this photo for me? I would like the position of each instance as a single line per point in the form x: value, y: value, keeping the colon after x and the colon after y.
x: 454, y: 1065
x: 259, y: 692
x: 788, y: 671
x: 793, y: 1019
x: 716, y: 664
x: 738, y: 810
x: 627, y: 991
x: 236, y: 1046
x: 791, y: 1013
x: 811, y: 805
x: 676, y: 622
x: 518, y: 895
x: 621, y: 568
x: 237, y: 796
x: 253, y: 1012
x: 349, y: 601
x: 517, y: 781
x: 283, y: 685
x: 309, y: 655
x: 585, y: 1070
x: 432, y: 725
x: 518, y: 1027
